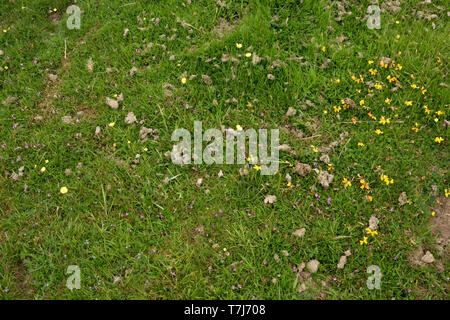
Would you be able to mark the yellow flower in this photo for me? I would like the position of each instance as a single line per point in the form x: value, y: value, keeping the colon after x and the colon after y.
x: 256, y: 167
x: 238, y: 45
x: 54, y: 9
x: 408, y: 103
x: 6, y: 67
x: 397, y: 36
x: 323, y: 49
x: 360, y: 144
x: 433, y: 213
x: 378, y: 131
x: 183, y: 80
x: 145, y: 149
x: 346, y: 183
x: 364, y: 241
x: 238, y: 128
x: 386, y: 180
x: 325, y: 111
x: 414, y: 86
x: 111, y: 124
x: 370, y: 62
x: 314, y: 148
x: 383, y: 120
x: 43, y: 169
x: 378, y: 86
x: 248, y: 54
x: 438, y: 139
x: 361, y: 102
x: 364, y: 184
x: 447, y: 193
x: 387, y: 100
x: 370, y: 198
x: 63, y: 190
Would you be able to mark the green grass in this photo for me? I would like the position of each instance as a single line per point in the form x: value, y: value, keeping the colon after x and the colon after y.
x: 183, y: 241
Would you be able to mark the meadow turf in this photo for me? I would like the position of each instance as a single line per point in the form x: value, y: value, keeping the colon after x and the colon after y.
x: 145, y: 228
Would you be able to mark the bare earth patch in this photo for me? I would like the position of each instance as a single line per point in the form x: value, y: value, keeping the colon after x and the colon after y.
x: 440, y: 226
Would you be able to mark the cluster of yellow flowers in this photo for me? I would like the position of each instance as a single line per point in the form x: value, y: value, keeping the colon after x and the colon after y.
x: 364, y: 184
x: 438, y: 139
x: 373, y: 233
x: 358, y: 80
x: 384, y: 121
x: 346, y: 183
x: 378, y: 131
x: 386, y: 179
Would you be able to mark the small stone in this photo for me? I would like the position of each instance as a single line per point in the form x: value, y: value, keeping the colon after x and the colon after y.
x: 130, y: 118
x: 67, y: 119
x: 373, y: 223
x: 428, y: 257
x: 312, y: 266
x: 402, y: 199
x: 302, y: 169
x: 325, y: 158
x: 291, y: 112
x: 270, y: 199
x: 112, y: 103
x: 299, y: 232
